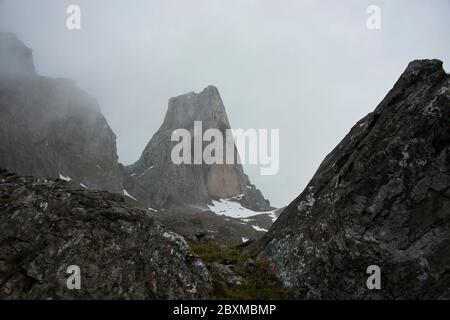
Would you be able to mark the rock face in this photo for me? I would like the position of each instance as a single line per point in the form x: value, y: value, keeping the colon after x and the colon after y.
x: 381, y: 197
x: 162, y: 183
x: 46, y: 226
x: 50, y: 128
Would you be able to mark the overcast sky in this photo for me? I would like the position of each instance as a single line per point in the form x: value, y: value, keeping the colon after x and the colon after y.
x: 310, y: 68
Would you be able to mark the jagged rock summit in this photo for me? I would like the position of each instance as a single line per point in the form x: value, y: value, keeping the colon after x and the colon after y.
x: 123, y: 253
x: 381, y: 197
x: 162, y: 183
x: 50, y: 128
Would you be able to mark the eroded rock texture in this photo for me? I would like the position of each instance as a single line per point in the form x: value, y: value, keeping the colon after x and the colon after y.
x: 381, y: 197
x: 46, y: 226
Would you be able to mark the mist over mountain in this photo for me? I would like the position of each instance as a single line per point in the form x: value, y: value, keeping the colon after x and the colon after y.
x: 116, y: 138
x: 50, y: 128
x: 308, y: 68
x: 164, y: 182
x: 15, y: 57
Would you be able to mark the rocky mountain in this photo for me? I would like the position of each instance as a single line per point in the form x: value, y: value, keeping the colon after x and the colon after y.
x: 122, y: 252
x: 162, y: 183
x: 213, y: 200
x: 381, y: 197
x: 51, y: 128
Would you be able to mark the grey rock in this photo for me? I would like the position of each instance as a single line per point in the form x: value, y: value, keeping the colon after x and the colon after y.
x: 164, y: 184
x: 229, y: 231
x: 379, y: 198
x: 122, y: 252
x: 225, y: 273
x: 49, y: 127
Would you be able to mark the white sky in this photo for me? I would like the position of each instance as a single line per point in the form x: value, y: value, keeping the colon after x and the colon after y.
x: 309, y: 68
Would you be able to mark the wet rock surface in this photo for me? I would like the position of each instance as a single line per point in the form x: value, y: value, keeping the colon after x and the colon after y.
x: 46, y: 226
x: 381, y: 197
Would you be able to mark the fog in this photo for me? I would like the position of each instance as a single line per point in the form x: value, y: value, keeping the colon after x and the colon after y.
x: 309, y: 68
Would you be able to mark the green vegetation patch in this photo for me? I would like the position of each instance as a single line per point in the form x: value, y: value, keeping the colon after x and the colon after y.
x: 258, y: 282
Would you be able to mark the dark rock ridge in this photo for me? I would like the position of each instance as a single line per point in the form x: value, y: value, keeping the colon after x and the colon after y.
x: 46, y: 226
x: 49, y: 127
x: 162, y: 183
x: 381, y: 197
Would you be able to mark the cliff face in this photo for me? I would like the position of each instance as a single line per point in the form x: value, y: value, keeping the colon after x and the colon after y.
x: 381, y: 197
x: 162, y: 183
x: 50, y: 128
x: 122, y: 253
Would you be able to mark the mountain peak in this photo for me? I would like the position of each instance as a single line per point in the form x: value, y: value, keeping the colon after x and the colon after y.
x: 425, y: 66
x: 15, y: 57
x: 206, y: 106
x: 191, y: 184
x: 211, y: 90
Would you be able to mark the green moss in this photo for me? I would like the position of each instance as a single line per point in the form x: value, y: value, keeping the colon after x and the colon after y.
x: 259, y: 283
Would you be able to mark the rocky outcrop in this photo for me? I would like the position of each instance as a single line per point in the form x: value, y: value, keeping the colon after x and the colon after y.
x: 49, y: 128
x: 162, y: 183
x: 381, y: 197
x: 122, y: 252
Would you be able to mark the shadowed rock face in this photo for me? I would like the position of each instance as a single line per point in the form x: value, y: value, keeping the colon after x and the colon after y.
x: 381, y: 197
x: 162, y: 183
x: 50, y: 127
x: 46, y: 226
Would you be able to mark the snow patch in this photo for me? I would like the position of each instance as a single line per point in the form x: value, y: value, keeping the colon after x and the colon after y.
x: 151, y: 209
x: 259, y: 229
x: 65, y: 178
x: 128, y: 195
x: 273, y: 215
x: 233, y: 209
x: 238, y: 197
x: 244, y: 239
x: 84, y: 186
